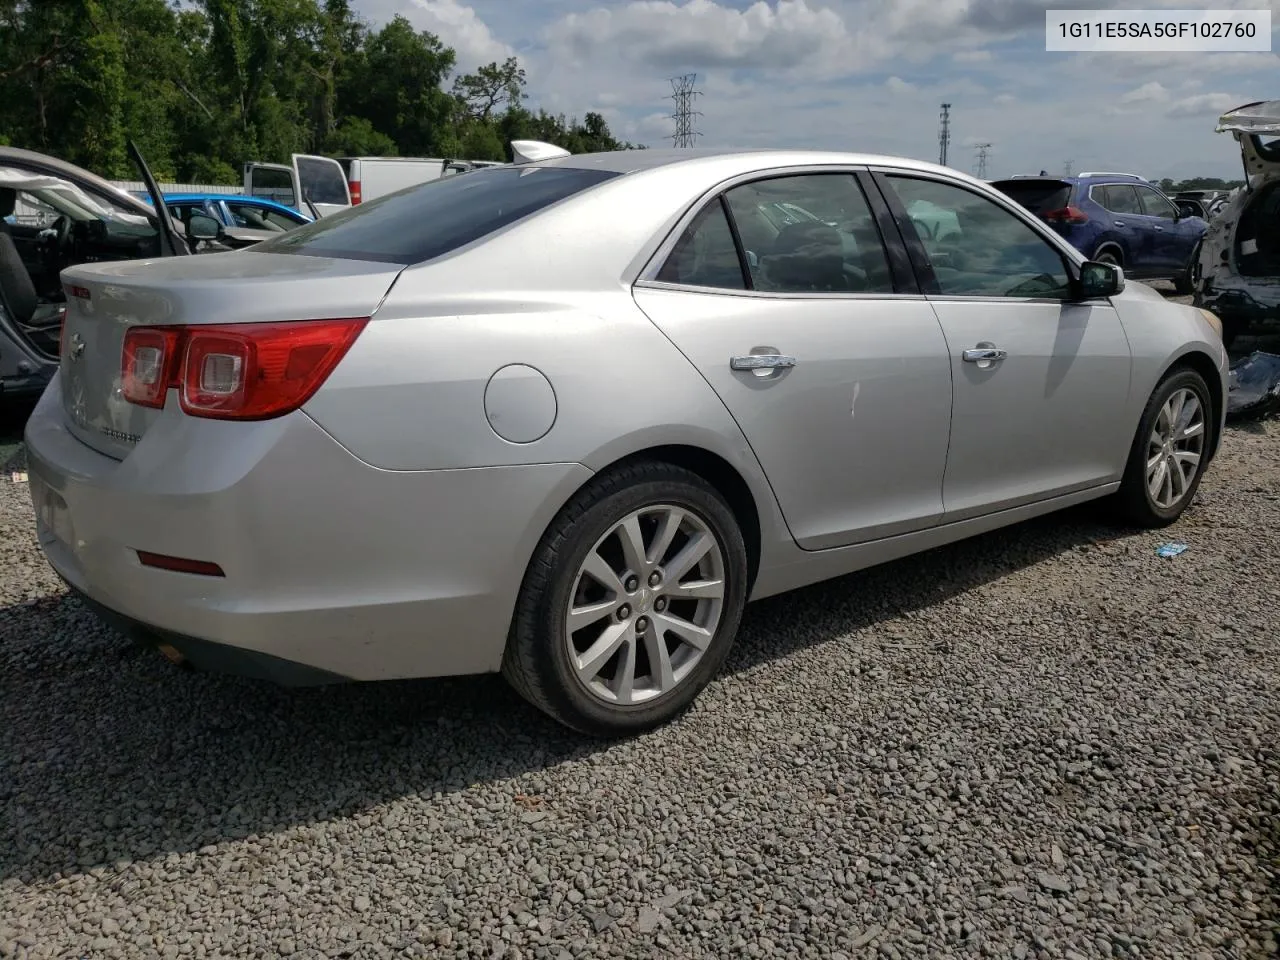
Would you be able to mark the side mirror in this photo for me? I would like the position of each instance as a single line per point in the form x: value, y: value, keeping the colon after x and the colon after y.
x: 1186, y: 209
x: 203, y: 227
x: 1100, y: 280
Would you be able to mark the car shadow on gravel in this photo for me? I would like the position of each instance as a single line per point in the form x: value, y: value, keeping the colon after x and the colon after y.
x: 119, y: 755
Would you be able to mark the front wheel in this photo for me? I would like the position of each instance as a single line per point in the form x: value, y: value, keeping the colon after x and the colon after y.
x: 631, y: 602
x: 1169, y: 452
x: 1184, y: 284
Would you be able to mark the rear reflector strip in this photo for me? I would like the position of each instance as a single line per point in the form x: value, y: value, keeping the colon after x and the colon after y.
x: 179, y: 564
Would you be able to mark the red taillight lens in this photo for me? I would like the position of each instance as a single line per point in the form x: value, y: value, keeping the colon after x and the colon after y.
x: 1066, y: 215
x: 354, y: 186
x: 147, y: 364
x: 238, y: 371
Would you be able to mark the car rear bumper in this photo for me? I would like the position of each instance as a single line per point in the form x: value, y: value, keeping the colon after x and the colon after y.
x: 330, y: 564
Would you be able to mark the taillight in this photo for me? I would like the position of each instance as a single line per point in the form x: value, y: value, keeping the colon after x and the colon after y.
x: 1066, y: 215
x: 146, y: 366
x: 354, y: 186
x: 235, y: 371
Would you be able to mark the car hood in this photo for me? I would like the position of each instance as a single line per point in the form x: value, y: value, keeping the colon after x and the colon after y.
x: 1249, y: 123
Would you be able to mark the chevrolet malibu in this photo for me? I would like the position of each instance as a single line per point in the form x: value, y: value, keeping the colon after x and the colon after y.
x: 562, y: 419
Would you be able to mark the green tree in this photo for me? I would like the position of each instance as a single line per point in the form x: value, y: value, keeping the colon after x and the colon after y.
x: 492, y: 86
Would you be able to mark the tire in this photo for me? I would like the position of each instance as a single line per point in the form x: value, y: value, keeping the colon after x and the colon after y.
x: 1185, y: 283
x: 542, y: 658
x: 1135, y: 503
x: 1108, y: 255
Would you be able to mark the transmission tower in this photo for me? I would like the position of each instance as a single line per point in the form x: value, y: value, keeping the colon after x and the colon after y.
x: 983, y: 150
x: 944, y: 135
x: 1066, y: 169
x: 683, y: 93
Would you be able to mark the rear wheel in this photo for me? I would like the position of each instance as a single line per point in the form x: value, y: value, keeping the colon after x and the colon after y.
x: 1109, y: 255
x: 631, y: 602
x: 1169, y: 453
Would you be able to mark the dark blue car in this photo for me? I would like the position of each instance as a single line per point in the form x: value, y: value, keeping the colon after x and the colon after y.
x: 1117, y: 218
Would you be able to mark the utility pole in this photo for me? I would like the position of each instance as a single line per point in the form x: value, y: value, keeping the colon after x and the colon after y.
x: 1066, y: 169
x: 683, y: 93
x: 944, y: 135
x: 982, y: 149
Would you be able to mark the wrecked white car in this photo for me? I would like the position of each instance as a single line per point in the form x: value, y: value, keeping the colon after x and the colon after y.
x: 1239, y: 269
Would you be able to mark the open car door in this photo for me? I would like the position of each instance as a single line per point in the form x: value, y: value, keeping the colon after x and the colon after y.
x: 307, y: 183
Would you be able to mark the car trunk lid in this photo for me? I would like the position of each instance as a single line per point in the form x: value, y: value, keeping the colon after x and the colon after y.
x: 1256, y: 127
x: 105, y: 300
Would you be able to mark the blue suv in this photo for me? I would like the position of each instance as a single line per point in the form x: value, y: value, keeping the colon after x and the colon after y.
x: 1117, y: 218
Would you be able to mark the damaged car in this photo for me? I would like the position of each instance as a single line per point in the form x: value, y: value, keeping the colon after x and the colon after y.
x: 54, y: 215
x: 1239, y: 270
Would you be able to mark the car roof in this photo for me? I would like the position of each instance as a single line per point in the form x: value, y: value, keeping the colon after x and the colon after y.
x: 17, y: 157
x: 734, y: 159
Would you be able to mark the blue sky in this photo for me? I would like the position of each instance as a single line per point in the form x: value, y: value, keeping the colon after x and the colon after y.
x: 867, y: 75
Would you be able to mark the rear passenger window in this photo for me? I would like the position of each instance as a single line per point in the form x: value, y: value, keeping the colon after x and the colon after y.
x: 705, y: 255
x: 810, y: 234
x: 1118, y: 198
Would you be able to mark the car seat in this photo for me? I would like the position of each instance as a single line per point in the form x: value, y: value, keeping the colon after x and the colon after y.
x: 807, y: 257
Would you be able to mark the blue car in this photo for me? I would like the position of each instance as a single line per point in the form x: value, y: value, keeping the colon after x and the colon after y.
x: 1117, y: 218
x: 245, y: 220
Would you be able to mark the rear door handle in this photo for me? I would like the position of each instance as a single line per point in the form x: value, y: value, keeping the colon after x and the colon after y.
x: 1159, y: 229
x: 1121, y: 223
x: 762, y: 361
x: 979, y: 354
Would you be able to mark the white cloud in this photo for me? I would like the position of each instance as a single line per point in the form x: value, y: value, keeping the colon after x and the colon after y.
x: 898, y: 85
x: 972, y: 56
x: 1205, y: 105
x: 665, y: 35
x: 460, y: 27
x: 1151, y: 92
x: 1006, y: 98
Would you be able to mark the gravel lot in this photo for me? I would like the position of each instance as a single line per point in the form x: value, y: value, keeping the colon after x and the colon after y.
x: 1046, y: 742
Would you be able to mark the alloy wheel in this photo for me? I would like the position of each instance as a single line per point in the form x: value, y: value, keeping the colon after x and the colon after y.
x: 1175, y: 448
x: 645, y: 605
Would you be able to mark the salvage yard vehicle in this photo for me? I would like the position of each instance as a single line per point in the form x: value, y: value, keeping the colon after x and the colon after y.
x: 245, y: 220
x: 55, y: 215
x: 563, y: 418
x: 1118, y: 218
x: 1240, y: 262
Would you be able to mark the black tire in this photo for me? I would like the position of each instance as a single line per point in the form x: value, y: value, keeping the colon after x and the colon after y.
x: 1108, y: 255
x: 536, y: 662
x: 1133, y: 501
x: 1185, y: 283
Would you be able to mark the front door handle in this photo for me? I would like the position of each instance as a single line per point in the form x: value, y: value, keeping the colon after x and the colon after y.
x: 1121, y: 223
x: 980, y: 354
x: 1159, y: 229
x: 762, y: 361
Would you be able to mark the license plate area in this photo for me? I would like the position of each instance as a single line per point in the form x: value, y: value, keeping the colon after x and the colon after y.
x: 51, y: 510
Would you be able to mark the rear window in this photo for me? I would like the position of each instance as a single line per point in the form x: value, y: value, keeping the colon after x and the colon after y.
x: 428, y: 220
x: 1038, y: 196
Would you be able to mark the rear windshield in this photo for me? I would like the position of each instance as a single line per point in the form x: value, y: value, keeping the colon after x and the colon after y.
x: 1038, y: 196
x: 431, y: 219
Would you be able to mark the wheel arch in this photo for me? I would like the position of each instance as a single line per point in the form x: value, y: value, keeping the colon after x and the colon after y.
x: 1112, y: 244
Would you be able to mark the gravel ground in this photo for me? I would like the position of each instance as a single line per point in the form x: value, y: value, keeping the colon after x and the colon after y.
x: 1047, y: 742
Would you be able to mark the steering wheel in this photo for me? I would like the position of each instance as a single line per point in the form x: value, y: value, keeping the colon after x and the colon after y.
x: 57, y: 241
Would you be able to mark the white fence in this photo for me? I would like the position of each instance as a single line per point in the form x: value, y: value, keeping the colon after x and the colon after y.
x: 137, y: 185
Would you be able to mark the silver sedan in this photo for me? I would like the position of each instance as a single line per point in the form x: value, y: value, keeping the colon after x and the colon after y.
x: 564, y: 418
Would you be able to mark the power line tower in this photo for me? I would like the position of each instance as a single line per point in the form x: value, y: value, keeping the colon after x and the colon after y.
x: 683, y: 93
x: 944, y: 135
x: 1066, y: 169
x: 983, y: 152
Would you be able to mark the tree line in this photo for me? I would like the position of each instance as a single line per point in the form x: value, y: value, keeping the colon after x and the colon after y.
x: 206, y: 85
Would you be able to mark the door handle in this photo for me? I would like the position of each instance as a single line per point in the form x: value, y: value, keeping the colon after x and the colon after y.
x: 1159, y: 229
x: 762, y: 361
x: 1121, y: 223
x: 979, y: 354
